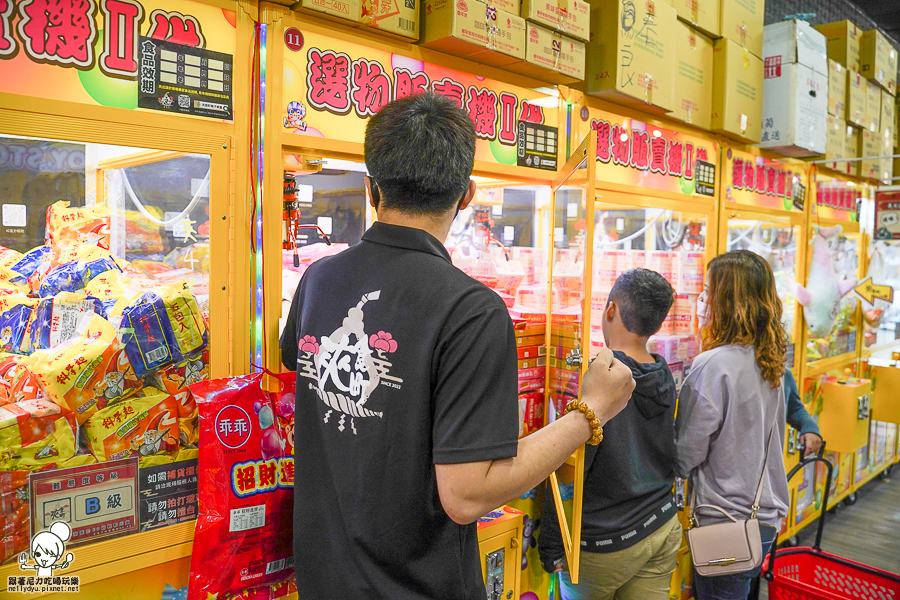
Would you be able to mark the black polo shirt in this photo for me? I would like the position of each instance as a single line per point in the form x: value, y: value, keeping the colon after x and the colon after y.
x: 403, y: 361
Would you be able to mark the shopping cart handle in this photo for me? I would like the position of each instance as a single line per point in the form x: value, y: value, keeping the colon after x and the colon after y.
x: 769, y: 569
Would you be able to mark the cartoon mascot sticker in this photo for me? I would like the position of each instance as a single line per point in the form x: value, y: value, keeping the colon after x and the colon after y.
x: 47, y: 549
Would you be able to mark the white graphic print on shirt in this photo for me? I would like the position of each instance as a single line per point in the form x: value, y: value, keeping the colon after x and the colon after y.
x: 348, y: 366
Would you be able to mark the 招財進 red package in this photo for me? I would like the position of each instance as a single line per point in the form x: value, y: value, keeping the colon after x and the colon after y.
x: 243, y: 535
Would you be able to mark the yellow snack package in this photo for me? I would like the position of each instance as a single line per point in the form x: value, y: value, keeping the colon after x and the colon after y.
x: 35, y: 433
x: 9, y: 366
x: 143, y: 425
x: 88, y: 225
x: 194, y: 257
x: 115, y: 284
x: 9, y: 257
x: 87, y: 373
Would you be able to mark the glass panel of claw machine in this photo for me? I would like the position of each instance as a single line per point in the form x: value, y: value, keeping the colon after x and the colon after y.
x: 325, y: 211
x: 882, y: 321
x: 104, y: 300
x: 572, y: 225
x: 776, y: 242
x: 670, y: 242
x: 836, y: 334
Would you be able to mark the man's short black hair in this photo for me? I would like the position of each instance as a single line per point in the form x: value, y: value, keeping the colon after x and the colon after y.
x: 644, y: 298
x: 420, y: 151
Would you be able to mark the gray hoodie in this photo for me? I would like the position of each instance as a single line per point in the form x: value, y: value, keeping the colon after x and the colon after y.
x: 725, y: 412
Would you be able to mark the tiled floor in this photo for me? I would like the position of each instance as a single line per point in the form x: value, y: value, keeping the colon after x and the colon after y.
x: 867, y: 532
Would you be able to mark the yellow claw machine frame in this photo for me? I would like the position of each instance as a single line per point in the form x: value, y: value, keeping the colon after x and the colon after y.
x: 156, y: 196
x: 764, y: 199
x: 313, y: 202
x: 655, y: 206
x: 831, y: 384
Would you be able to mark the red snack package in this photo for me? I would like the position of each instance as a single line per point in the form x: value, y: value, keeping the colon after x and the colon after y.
x: 243, y: 536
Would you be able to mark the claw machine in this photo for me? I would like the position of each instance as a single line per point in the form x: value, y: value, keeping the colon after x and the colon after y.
x: 310, y: 201
x: 121, y: 154
x: 654, y: 207
x: 764, y: 211
x: 837, y: 392
x: 881, y: 317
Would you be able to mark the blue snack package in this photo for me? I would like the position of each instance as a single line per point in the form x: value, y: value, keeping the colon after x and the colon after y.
x: 14, y: 316
x: 30, y: 261
x: 55, y: 320
x: 160, y: 329
x: 74, y: 276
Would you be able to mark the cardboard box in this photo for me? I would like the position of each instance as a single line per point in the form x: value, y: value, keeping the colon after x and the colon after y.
x: 737, y: 91
x: 856, y: 99
x: 794, y: 42
x: 842, y: 39
x: 837, y: 89
x: 702, y: 14
x: 886, y: 148
x: 795, y: 104
x: 878, y: 60
x: 634, y: 70
x: 339, y: 10
x: 741, y: 21
x: 693, y: 76
x: 869, y: 145
x: 836, y: 143
x: 889, y: 115
x: 569, y: 17
x: 873, y: 107
x: 396, y: 18
x: 854, y: 135
x: 510, y: 6
x: 461, y: 28
x: 550, y: 56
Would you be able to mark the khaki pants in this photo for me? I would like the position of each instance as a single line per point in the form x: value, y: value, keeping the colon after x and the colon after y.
x: 641, y: 572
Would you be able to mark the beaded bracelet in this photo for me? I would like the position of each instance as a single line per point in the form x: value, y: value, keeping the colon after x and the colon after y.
x: 596, y: 428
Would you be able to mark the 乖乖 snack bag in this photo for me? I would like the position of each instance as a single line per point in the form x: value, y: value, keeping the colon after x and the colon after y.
x: 86, y: 374
x: 88, y: 225
x: 163, y: 327
x: 143, y: 425
x: 246, y: 491
x: 35, y: 433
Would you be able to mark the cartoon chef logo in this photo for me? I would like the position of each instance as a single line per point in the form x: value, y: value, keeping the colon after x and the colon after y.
x: 48, y: 550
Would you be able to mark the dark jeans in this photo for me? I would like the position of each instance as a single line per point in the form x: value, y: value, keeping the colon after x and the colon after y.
x: 736, y: 586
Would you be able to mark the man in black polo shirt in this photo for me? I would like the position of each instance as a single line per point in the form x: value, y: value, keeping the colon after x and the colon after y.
x: 406, y: 418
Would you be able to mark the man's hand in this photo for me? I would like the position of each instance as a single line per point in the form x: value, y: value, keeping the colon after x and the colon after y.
x: 607, y: 386
x: 811, y: 442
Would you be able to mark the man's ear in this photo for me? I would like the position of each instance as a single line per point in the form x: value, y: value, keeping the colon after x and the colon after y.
x: 611, y: 310
x: 368, y: 181
x: 469, y: 195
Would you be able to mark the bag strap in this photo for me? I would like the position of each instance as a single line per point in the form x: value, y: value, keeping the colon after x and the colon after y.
x: 762, y: 477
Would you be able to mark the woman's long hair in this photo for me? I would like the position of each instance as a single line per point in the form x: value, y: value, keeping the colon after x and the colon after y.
x: 745, y: 309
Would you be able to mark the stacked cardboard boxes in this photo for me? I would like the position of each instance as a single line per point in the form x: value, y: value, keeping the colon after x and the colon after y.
x: 471, y: 29
x: 795, y: 90
x: 555, y: 40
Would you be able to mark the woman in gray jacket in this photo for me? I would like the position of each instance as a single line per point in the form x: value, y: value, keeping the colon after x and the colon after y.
x: 728, y: 403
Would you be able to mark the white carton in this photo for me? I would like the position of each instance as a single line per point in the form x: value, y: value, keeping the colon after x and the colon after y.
x: 795, y: 109
x: 795, y: 42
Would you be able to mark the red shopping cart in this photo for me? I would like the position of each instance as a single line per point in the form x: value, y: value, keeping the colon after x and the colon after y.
x: 811, y: 574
